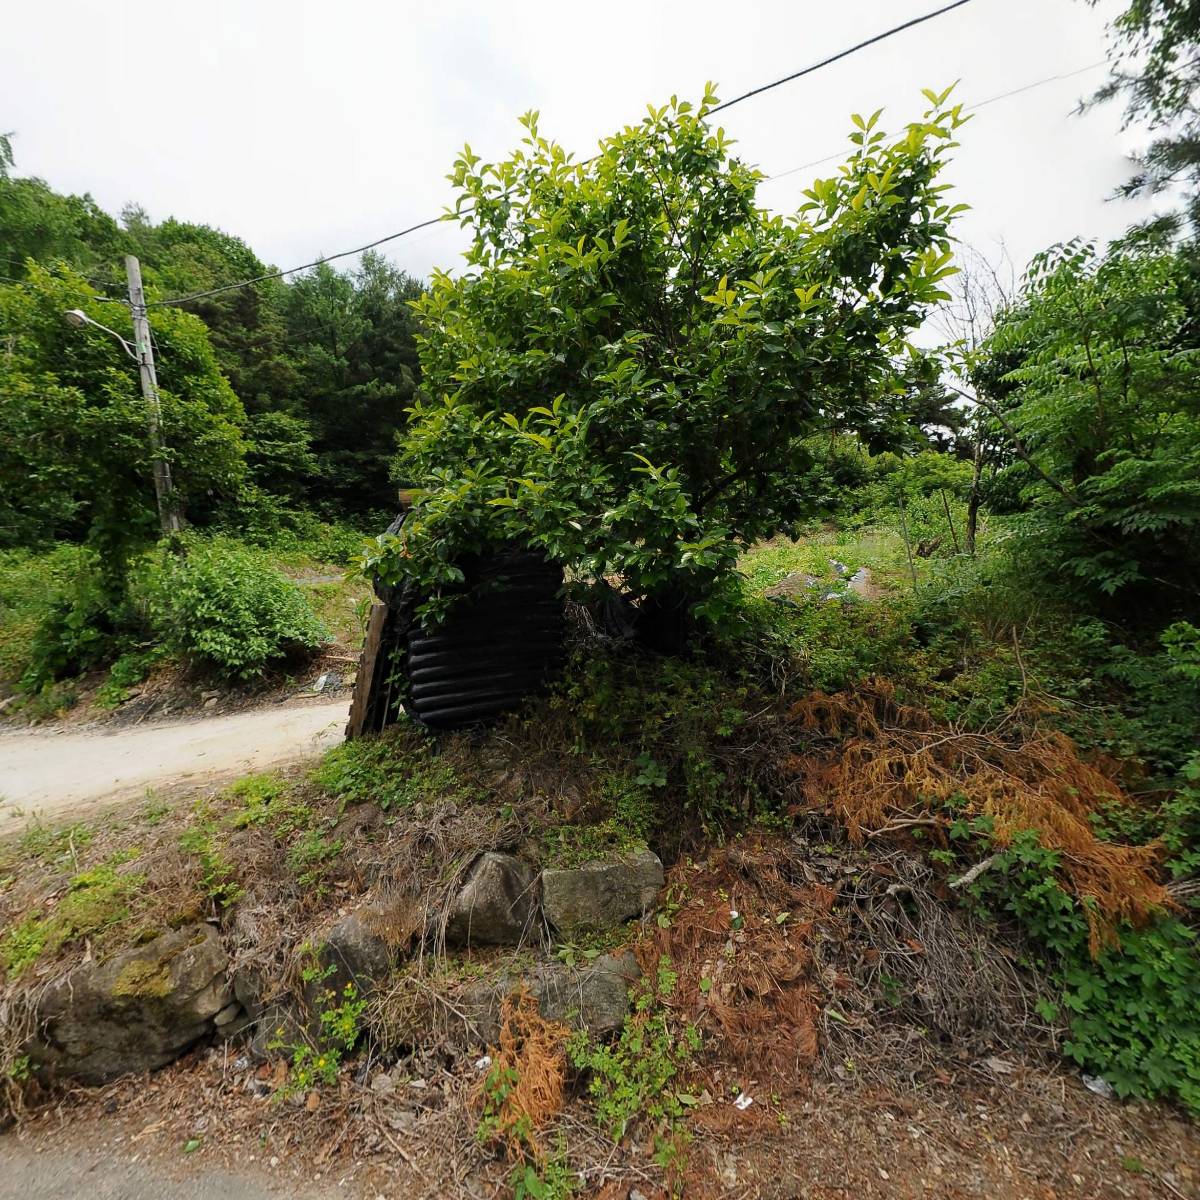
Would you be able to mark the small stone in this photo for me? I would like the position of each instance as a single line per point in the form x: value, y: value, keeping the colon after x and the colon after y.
x: 211, y: 702
x: 358, y: 955
x: 313, y: 1101
x: 401, y: 1119
x: 495, y: 905
x: 602, y: 894
x: 227, y: 1015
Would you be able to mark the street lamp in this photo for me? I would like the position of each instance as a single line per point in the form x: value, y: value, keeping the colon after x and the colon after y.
x: 77, y: 318
x: 141, y: 350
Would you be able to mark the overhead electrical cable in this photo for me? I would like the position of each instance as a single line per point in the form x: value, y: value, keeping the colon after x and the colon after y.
x: 391, y: 237
x: 816, y: 162
x: 825, y: 62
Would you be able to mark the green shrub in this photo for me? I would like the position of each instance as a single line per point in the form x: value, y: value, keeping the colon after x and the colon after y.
x: 1181, y: 827
x: 26, y: 584
x: 226, y: 607
x: 71, y: 614
x: 394, y: 769
x: 1131, y: 1012
x: 302, y: 535
x: 1095, y: 368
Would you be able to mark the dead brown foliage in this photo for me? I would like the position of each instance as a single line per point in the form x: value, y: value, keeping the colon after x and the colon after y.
x: 522, y: 1091
x: 880, y: 766
x: 745, y: 980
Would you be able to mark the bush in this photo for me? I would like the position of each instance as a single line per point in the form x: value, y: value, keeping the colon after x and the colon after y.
x: 1096, y: 367
x: 226, y: 607
x: 1131, y: 1011
x: 71, y: 615
x: 265, y: 521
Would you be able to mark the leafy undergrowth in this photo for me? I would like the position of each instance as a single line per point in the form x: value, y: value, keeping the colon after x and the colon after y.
x: 230, y: 620
x: 870, y: 879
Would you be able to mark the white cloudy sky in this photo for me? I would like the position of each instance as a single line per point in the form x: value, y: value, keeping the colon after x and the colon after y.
x: 309, y: 127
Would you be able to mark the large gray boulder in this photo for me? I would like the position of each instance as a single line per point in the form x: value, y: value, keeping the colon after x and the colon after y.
x: 496, y: 904
x: 137, y: 1011
x: 602, y: 894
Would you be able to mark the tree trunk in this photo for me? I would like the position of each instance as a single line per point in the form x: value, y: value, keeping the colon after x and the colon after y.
x: 973, y: 501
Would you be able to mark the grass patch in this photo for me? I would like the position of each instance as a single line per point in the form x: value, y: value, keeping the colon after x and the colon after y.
x: 573, y: 845
x: 396, y: 769
x: 95, y: 900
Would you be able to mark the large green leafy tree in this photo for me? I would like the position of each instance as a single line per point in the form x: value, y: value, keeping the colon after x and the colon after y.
x: 245, y: 324
x: 37, y: 222
x: 75, y: 459
x: 1095, y: 379
x: 324, y: 367
x: 631, y: 369
x: 1156, y: 68
x: 351, y: 339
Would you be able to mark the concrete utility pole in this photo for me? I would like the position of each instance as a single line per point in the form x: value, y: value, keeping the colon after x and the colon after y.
x: 164, y: 490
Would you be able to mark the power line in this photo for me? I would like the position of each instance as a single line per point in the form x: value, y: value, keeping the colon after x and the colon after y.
x: 871, y: 41
x: 816, y: 162
x: 391, y: 237
x: 229, y: 287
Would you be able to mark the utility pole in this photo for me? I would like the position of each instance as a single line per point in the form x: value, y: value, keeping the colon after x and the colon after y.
x: 164, y: 490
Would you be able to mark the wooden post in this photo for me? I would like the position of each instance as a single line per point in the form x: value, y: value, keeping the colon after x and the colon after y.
x: 164, y: 490
x: 362, y: 716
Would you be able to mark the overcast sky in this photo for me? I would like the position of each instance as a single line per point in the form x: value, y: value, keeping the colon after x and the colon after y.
x: 308, y: 126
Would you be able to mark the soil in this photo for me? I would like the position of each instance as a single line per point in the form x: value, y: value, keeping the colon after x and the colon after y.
x: 1005, y: 1132
x: 58, y: 771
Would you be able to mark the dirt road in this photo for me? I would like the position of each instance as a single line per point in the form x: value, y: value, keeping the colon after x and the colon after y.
x: 121, y: 1173
x: 51, y: 773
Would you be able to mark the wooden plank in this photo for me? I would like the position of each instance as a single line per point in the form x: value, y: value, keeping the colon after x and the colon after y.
x: 369, y: 662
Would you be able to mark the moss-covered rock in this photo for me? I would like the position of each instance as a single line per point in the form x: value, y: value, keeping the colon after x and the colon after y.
x: 138, y: 1010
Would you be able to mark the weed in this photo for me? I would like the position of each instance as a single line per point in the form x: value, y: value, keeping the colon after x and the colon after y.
x: 156, y: 811
x: 310, y: 856
x: 126, y: 672
x: 586, y: 945
x: 95, y: 900
x: 339, y: 1025
x: 266, y: 800
x: 395, y: 769
x: 634, y: 1076
x: 22, y: 946
x: 573, y: 845
x: 55, y: 847
x: 550, y: 1179
x: 217, y: 875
